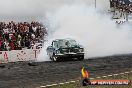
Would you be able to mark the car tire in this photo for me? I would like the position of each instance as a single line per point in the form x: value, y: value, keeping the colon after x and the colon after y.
x: 55, y: 59
x: 80, y: 58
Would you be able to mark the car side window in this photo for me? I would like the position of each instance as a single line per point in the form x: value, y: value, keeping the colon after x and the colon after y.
x: 55, y: 44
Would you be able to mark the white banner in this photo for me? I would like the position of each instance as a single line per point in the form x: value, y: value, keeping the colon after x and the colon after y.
x: 18, y: 55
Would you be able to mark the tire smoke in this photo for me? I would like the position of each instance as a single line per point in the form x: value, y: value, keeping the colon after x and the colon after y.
x: 95, y: 30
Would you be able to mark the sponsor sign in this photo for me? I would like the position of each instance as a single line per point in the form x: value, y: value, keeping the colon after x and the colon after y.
x: 86, y: 81
x: 110, y: 82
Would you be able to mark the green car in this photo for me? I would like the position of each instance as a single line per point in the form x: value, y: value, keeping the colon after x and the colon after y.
x: 62, y: 49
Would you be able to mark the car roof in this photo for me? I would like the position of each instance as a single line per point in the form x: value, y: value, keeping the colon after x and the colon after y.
x: 63, y: 39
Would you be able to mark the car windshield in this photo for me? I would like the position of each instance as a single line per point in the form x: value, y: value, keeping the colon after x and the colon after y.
x: 66, y: 43
x: 72, y: 42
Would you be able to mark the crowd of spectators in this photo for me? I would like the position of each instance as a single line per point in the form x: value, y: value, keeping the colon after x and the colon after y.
x: 20, y: 35
x: 124, y: 5
x: 122, y: 9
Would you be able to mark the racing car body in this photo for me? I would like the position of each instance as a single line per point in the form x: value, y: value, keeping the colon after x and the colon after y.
x: 65, y: 49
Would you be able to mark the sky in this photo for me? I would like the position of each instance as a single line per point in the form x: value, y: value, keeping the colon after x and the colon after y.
x: 27, y: 10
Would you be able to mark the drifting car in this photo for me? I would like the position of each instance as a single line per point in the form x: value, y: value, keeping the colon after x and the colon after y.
x: 65, y: 49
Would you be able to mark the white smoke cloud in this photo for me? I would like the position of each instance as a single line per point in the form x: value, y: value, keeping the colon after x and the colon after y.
x: 28, y: 10
x: 99, y: 35
x: 73, y: 18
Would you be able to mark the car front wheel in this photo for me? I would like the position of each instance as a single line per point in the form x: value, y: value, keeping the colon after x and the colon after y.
x: 55, y: 59
x: 80, y: 58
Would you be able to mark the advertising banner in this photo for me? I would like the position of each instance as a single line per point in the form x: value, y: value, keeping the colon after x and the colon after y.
x: 18, y: 55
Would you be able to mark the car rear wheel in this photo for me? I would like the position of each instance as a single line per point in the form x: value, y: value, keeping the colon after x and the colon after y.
x: 80, y: 58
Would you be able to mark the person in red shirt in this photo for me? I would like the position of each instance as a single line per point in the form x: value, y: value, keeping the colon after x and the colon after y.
x: 13, y: 38
x: 1, y: 42
x: 11, y: 45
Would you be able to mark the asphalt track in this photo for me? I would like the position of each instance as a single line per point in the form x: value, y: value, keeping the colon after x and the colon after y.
x: 24, y: 75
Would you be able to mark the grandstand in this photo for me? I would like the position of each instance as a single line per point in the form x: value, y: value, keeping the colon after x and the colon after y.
x: 121, y: 9
x: 21, y: 35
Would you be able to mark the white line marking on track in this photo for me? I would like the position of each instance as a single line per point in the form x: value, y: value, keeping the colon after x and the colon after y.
x: 109, y: 75
x: 48, y: 85
x: 115, y: 74
x: 54, y: 84
x: 61, y: 83
x: 98, y: 77
x: 73, y: 81
x: 122, y: 73
x: 42, y: 86
x: 104, y: 76
x: 126, y: 72
x: 91, y: 78
x: 67, y: 82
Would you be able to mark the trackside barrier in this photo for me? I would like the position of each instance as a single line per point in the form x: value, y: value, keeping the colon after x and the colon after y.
x: 18, y: 55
